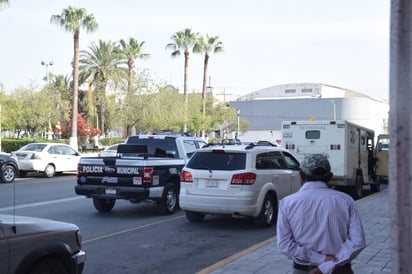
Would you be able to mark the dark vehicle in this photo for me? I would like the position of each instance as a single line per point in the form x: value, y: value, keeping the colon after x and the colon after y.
x: 145, y: 168
x: 39, y: 246
x: 8, y: 169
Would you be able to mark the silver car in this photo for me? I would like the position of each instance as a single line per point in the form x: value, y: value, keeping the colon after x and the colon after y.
x: 33, y: 245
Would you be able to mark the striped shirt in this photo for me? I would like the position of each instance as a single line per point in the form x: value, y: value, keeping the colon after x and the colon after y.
x: 317, y: 221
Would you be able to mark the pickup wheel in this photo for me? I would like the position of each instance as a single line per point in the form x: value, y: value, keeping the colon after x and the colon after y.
x: 169, y: 201
x: 377, y: 186
x: 103, y: 205
x: 8, y: 174
x: 50, y: 265
x: 194, y: 217
x: 269, y: 212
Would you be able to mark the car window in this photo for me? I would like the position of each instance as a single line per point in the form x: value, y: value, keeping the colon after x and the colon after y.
x: 55, y: 150
x: 68, y: 150
x: 270, y: 160
x: 190, y: 146
x: 220, y: 160
x: 33, y: 147
x: 291, y: 162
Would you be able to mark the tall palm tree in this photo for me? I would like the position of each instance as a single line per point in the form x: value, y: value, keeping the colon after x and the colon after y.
x: 207, y: 45
x: 72, y: 20
x: 130, y: 51
x: 184, y: 41
x: 100, y: 64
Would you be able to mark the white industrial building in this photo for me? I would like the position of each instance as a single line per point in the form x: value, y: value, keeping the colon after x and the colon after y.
x: 265, y: 109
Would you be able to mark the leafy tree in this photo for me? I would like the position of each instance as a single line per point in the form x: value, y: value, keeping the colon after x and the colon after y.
x: 130, y: 51
x: 100, y: 65
x: 207, y: 45
x: 72, y: 20
x: 184, y: 41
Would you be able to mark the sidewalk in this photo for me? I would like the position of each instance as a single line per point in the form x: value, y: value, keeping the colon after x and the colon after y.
x: 264, y: 258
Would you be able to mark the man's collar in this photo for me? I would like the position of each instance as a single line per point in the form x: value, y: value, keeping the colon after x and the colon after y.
x: 314, y: 184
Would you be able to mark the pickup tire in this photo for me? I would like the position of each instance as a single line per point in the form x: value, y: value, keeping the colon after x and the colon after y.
x: 103, y: 205
x: 169, y: 201
x: 49, y: 265
x: 268, y: 213
x: 194, y: 217
x: 8, y: 174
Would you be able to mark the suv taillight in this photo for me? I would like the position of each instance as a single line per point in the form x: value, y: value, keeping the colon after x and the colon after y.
x: 186, y: 176
x: 243, y: 179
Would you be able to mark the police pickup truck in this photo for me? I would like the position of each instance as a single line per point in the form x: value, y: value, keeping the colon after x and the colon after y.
x: 145, y: 168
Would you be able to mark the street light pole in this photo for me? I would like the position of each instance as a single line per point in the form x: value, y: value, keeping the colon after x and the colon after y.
x: 238, y: 123
x: 47, y: 69
x: 334, y: 110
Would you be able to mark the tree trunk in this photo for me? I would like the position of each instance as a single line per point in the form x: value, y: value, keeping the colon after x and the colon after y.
x: 73, y: 138
x: 185, y: 89
x: 205, y: 65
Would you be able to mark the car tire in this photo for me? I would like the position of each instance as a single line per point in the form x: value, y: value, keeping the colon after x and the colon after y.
x: 169, y: 201
x: 268, y: 213
x: 50, y: 265
x: 8, y: 174
x: 194, y: 217
x: 49, y: 171
x: 103, y: 205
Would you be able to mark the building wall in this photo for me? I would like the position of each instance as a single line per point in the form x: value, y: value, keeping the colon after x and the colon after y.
x: 265, y: 115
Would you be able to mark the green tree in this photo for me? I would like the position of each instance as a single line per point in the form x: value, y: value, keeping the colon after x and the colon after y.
x: 184, y: 41
x: 207, y: 45
x: 130, y: 51
x: 72, y: 20
x: 100, y: 64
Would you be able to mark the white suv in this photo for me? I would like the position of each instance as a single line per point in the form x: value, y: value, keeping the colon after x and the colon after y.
x: 238, y: 180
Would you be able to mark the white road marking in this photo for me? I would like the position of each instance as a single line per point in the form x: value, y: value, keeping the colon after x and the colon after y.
x: 41, y: 203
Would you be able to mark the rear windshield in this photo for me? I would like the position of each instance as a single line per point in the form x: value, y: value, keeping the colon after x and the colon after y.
x: 217, y: 161
x: 33, y: 147
x: 157, y: 147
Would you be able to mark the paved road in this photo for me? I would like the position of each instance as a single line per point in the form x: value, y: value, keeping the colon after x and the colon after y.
x: 265, y: 258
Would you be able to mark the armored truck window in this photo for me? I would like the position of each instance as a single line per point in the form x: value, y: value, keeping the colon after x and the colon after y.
x: 312, y: 134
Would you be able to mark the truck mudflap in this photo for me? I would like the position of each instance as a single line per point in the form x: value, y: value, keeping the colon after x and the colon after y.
x: 127, y: 193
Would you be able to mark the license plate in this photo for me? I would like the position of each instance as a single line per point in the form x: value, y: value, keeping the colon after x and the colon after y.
x: 212, y: 184
x: 110, y: 191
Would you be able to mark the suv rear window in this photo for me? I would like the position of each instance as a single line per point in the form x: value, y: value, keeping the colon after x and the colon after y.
x: 217, y: 160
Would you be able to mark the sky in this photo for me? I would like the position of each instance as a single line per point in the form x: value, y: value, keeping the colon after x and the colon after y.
x: 266, y: 42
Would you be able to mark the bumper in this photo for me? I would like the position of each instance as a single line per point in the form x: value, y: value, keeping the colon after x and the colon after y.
x: 236, y: 205
x: 116, y: 192
x: 79, y: 260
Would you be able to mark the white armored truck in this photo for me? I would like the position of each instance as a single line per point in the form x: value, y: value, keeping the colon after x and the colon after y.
x: 349, y: 147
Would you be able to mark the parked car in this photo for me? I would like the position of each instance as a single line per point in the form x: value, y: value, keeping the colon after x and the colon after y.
x: 109, y: 151
x: 32, y: 246
x: 8, y: 168
x: 238, y: 180
x: 47, y: 158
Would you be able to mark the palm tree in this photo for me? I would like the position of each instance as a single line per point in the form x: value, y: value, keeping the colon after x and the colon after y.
x: 130, y: 51
x: 208, y: 45
x: 183, y: 41
x: 72, y: 20
x: 99, y: 65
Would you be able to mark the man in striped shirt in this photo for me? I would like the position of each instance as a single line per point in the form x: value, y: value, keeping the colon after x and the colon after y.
x: 319, y: 228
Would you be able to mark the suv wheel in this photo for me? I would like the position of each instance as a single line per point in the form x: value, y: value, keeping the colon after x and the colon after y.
x: 50, y: 265
x: 169, y: 201
x: 269, y: 212
x: 8, y: 174
x: 103, y: 205
x: 195, y: 217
